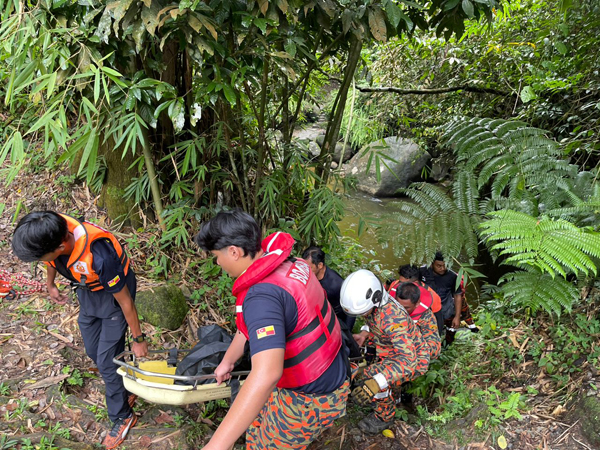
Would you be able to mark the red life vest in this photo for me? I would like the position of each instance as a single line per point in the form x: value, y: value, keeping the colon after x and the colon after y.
x: 81, y: 259
x: 315, y: 342
x: 426, y: 300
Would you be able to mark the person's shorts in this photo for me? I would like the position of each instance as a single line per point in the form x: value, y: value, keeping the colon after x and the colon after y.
x: 292, y: 420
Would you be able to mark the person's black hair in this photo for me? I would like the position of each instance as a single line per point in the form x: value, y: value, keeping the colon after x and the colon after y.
x: 408, y: 291
x: 37, y: 234
x: 235, y: 227
x: 408, y: 271
x: 439, y: 256
x: 315, y: 254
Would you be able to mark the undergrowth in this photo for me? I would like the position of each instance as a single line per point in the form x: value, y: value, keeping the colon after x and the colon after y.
x: 514, y: 366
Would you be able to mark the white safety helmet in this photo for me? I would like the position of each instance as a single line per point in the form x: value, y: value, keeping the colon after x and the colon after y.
x: 361, y: 292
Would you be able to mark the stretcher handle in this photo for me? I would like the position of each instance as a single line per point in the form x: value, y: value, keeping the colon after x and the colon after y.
x: 118, y: 361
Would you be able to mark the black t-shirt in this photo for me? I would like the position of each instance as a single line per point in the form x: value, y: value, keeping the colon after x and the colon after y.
x: 443, y: 285
x: 332, y: 283
x: 271, y: 314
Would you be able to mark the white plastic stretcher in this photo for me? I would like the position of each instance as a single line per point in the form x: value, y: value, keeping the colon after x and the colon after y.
x: 154, y: 381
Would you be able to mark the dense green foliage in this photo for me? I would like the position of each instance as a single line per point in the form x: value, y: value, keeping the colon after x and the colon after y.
x: 194, y: 103
x: 538, y: 63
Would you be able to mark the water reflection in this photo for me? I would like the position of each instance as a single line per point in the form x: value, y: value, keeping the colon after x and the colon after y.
x: 377, y: 213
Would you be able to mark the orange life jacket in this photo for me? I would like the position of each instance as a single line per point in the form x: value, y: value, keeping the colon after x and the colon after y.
x: 429, y: 298
x: 81, y: 259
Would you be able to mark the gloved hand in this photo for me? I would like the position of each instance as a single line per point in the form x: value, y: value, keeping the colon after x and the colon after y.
x: 364, y: 392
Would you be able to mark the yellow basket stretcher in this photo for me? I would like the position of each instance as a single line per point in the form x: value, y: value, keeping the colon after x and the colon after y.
x: 154, y: 381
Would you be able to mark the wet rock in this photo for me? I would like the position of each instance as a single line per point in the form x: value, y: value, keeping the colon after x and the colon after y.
x: 440, y: 167
x: 163, y: 306
x: 406, y: 160
x: 346, y: 152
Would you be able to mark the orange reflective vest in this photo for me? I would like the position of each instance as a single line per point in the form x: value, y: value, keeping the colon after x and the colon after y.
x: 429, y: 298
x: 81, y: 259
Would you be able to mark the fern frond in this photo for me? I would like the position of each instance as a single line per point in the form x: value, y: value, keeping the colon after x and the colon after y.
x: 432, y: 222
x: 508, y: 126
x: 553, y: 245
x: 491, y: 167
x: 465, y: 193
x: 431, y: 197
x: 537, y: 291
x: 475, y: 159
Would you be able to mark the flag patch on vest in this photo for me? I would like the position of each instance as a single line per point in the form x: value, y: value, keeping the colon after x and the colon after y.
x: 114, y: 281
x: 81, y: 267
x: 265, y: 331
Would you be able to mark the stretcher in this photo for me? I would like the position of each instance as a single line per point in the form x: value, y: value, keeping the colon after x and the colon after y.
x: 154, y: 380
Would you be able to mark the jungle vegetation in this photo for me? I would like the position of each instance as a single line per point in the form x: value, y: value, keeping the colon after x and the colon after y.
x: 180, y: 108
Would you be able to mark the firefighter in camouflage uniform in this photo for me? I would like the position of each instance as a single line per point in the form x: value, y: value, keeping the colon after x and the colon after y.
x: 401, y: 353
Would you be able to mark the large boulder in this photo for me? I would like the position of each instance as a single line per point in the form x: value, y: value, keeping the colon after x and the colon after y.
x: 406, y: 161
x: 587, y: 411
x: 163, y: 306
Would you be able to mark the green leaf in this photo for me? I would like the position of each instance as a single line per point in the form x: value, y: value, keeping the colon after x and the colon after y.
x: 229, y: 94
x: 97, y: 87
x: 468, y: 8
x: 450, y: 4
x: 561, y: 47
x: 90, y: 145
x: 528, y: 94
x: 394, y: 13
x: 290, y: 47
x: 347, y: 19
x: 261, y: 24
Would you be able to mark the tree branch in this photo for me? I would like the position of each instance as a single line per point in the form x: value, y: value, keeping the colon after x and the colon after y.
x: 464, y: 87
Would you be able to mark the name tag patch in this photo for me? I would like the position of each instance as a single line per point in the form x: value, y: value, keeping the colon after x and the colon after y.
x: 114, y: 281
x: 265, y: 331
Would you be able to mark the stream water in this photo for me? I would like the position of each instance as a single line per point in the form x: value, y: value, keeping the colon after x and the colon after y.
x: 377, y: 210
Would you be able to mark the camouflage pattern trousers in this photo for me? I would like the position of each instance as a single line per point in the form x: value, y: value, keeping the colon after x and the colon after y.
x: 384, y: 403
x: 292, y: 420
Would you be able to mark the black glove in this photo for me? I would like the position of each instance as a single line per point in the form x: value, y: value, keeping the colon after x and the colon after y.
x: 364, y: 391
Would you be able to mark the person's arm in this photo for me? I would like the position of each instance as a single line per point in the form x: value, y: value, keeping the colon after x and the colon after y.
x: 267, y: 368
x: 55, y: 294
x: 457, y: 310
x: 124, y: 299
x: 233, y: 353
x: 361, y: 337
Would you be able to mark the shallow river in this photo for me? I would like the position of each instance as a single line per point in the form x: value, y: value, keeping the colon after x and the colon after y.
x: 378, y: 210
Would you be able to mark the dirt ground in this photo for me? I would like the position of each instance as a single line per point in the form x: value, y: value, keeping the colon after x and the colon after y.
x: 51, y: 392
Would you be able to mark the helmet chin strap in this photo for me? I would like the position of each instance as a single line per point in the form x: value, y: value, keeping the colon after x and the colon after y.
x: 386, y: 299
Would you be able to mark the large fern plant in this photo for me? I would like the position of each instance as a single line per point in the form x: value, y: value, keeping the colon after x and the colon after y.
x: 548, y: 250
x: 515, y: 192
x: 434, y: 220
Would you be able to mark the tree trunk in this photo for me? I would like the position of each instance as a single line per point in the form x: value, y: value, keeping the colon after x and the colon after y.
x: 337, y: 113
x: 118, y: 177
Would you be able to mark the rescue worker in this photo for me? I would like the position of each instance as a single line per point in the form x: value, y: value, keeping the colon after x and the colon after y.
x: 397, y: 342
x: 410, y: 273
x: 418, y: 303
x: 96, y: 264
x: 298, y: 384
x: 454, y: 304
x: 419, y: 310
x: 330, y: 280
